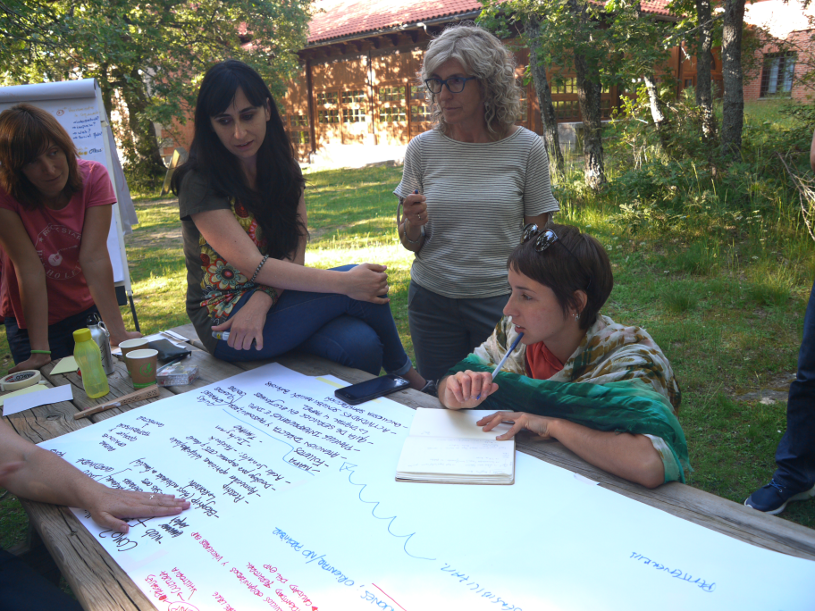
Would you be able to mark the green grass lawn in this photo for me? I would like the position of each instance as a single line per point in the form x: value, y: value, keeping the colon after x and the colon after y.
x: 726, y: 308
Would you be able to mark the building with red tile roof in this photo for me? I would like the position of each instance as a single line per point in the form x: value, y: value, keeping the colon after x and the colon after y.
x: 357, y: 82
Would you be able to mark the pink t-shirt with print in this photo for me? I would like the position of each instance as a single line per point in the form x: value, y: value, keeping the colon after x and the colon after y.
x: 56, y: 235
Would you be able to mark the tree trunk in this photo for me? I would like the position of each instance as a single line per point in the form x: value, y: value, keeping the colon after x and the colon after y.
x: 107, y: 90
x: 657, y: 107
x: 704, y: 59
x: 733, y: 119
x: 588, y: 98
x: 143, y: 130
x: 551, y: 138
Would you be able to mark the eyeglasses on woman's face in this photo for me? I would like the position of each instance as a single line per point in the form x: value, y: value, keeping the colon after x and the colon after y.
x: 455, y: 84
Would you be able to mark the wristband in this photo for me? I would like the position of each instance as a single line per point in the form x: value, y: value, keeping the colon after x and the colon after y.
x: 257, y: 271
x: 40, y: 351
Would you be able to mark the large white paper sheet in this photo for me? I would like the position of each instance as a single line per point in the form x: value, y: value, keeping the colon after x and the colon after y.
x: 295, y: 507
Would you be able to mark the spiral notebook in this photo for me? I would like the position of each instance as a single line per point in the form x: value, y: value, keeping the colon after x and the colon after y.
x: 446, y: 446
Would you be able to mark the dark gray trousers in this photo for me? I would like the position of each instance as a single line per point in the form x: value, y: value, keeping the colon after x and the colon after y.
x: 445, y: 330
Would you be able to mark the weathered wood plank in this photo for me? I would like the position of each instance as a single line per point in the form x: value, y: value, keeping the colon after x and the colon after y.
x: 97, y: 581
x: 47, y: 421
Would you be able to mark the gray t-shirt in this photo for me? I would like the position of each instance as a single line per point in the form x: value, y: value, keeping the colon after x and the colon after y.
x: 477, y: 197
x: 213, y: 285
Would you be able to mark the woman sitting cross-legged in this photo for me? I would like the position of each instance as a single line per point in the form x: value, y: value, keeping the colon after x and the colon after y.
x: 605, y: 391
x: 243, y: 213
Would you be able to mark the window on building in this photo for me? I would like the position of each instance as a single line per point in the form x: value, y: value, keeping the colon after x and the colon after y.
x: 776, y: 77
x: 419, y: 113
x: 418, y: 92
x: 300, y: 137
x: 566, y: 109
x: 329, y: 116
x: 391, y: 94
x: 354, y: 115
x: 299, y: 121
x: 564, y: 86
x: 327, y: 98
x: 353, y: 97
x: 392, y: 114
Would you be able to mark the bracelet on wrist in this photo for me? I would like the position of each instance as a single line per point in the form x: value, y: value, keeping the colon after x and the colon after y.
x: 260, y: 265
x: 40, y: 351
x: 417, y: 240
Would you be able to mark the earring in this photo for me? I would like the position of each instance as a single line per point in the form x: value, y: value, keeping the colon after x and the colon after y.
x: 576, y: 316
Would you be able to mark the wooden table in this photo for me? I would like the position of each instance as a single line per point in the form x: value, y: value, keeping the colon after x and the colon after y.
x: 100, y: 584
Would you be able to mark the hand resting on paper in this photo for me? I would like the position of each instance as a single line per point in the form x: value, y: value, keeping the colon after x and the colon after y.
x: 38, y: 475
x: 539, y: 425
x: 632, y: 457
x: 109, y: 508
x: 466, y: 389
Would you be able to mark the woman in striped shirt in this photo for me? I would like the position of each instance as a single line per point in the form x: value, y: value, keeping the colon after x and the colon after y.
x: 468, y: 187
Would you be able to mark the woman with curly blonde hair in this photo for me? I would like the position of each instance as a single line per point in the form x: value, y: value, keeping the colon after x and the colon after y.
x: 468, y: 187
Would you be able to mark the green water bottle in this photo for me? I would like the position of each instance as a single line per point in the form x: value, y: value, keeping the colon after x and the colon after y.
x: 89, y: 359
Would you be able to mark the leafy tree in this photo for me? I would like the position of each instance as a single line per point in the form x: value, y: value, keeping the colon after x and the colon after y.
x: 701, y: 31
x: 152, y: 55
x: 604, y: 45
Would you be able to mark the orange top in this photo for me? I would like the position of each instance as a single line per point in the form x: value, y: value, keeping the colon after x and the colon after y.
x: 541, y: 363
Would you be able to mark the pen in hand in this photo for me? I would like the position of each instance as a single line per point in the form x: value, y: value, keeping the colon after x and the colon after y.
x: 504, y: 360
x: 224, y: 335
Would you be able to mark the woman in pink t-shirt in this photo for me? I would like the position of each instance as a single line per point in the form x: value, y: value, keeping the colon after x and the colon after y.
x: 55, y: 213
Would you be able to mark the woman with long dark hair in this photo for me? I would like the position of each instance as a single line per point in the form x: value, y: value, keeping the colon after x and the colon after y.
x: 243, y: 213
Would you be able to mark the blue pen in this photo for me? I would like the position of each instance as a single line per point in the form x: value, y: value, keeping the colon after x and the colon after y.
x: 504, y: 360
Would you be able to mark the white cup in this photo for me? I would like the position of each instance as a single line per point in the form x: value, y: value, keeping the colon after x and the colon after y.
x: 132, y: 344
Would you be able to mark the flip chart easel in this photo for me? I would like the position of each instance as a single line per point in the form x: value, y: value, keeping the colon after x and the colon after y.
x: 79, y: 108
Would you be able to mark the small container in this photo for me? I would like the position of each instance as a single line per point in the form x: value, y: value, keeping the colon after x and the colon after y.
x: 89, y: 358
x: 101, y: 336
x: 177, y: 374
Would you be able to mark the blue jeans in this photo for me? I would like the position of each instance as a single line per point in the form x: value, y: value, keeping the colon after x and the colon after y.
x: 353, y: 333
x: 23, y: 589
x: 795, y: 454
x: 60, y: 336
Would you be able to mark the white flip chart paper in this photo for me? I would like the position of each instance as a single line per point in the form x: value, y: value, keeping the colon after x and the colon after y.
x: 294, y: 507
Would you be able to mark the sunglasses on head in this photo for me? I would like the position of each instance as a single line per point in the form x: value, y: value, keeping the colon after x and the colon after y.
x: 547, y: 237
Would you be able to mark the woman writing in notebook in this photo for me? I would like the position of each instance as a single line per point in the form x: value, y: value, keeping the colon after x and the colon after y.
x: 243, y: 213
x: 605, y: 391
x: 55, y: 213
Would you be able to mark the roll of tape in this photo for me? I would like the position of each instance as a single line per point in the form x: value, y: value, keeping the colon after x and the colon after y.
x: 21, y: 379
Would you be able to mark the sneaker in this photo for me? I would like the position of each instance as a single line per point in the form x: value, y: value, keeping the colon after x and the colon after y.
x: 773, y: 497
x: 430, y: 388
